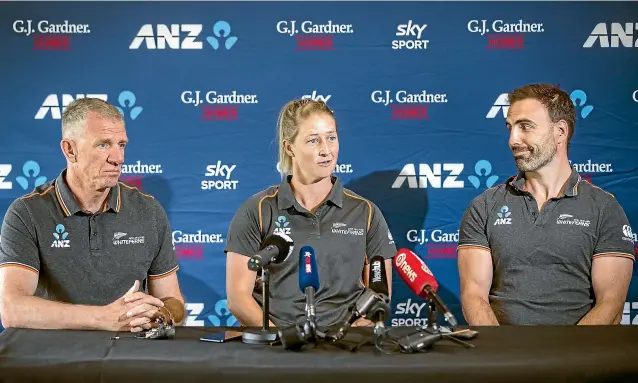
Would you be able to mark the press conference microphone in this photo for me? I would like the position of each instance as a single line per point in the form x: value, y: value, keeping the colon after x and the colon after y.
x: 308, y: 279
x: 373, y: 304
x: 420, y: 279
x: 275, y: 249
x: 378, y: 282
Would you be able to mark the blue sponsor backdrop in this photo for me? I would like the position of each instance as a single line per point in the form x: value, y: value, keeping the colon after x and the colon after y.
x: 201, y: 108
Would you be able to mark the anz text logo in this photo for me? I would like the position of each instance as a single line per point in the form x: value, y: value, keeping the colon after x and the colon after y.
x: 578, y: 97
x: 56, y: 104
x: 503, y: 217
x: 483, y: 170
x: 430, y: 175
x: 282, y: 226
x: 183, y: 36
x: 60, y: 236
x: 221, y: 317
x: 621, y: 33
x: 30, y: 177
x: 316, y: 97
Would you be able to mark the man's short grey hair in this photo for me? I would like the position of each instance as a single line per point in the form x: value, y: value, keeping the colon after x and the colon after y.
x: 75, y: 115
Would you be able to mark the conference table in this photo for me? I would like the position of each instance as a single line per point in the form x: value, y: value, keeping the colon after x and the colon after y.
x: 501, y: 354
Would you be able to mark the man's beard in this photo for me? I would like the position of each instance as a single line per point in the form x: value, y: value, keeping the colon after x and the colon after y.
x: 538, y: 157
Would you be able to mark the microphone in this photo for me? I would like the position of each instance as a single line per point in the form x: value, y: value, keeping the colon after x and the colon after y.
x: 378, y: 281
x: 297, y: 335
x: 373, y: 304
x: 275, y: 249
x: 420, y: 279
x: 308, y: 279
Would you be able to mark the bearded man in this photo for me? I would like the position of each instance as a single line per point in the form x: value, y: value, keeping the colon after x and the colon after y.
x: 545, y: 247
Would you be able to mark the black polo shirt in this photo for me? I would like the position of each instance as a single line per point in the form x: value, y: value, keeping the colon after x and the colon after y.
x: 85, y: 258
x: 345, y: 231
x: 542, y: 260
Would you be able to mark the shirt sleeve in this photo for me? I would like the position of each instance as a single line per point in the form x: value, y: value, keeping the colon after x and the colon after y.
x: 18, y: 245
x: 615, y: 237
x: 244, y: 235
x: 165, y: 262
x: 379, y: 240
x: 473, y: 231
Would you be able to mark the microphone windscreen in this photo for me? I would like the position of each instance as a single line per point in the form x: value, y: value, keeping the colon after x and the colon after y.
x: 308, y: 273
x: 282, y: 242
x: 378, y: 279
x: 414, y: 272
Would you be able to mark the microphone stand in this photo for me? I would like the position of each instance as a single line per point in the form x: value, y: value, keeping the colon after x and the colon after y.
x: 432, y: 327
x: 263, y: 335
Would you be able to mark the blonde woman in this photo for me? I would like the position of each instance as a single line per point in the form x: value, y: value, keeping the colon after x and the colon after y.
x: 312, y: 207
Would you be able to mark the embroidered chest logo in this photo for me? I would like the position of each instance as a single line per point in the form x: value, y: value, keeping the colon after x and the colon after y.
x: 119, y: 238
x: 340, y: 228
x: 60, y: 236
x: 568, y: 219
x: 282, y: 226
x: 503, y: 216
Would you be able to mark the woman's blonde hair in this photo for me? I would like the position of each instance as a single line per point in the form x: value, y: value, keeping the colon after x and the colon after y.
x: 290, y: 117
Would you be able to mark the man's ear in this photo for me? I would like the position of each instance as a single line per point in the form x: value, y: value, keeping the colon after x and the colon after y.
x: 69, y: 149
x: 561, y: 131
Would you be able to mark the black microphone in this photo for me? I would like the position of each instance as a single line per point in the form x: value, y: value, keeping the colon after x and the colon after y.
x: 373, y: 303
x: 378, y: 281
x: 275, y: 249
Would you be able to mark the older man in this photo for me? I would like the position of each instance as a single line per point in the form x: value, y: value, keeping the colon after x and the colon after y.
x: 74, y: 251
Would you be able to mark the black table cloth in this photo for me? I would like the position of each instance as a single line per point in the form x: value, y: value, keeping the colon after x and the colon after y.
x: 502, y: 354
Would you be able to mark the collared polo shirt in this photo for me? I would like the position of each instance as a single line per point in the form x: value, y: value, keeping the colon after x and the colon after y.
x: 345, y: 232
x: 542, y: 260
x: 84, y: 258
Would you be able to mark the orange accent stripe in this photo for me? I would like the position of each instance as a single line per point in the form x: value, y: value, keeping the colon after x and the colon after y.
x: 20, y: 266
x: 59, y: 197
x: 118, y: 200
x: 155, y: 277
x: 133, y: 188
x: 261, y: 229
x: 615, y: 255
x: 369, y: 207
x: 33, y: 194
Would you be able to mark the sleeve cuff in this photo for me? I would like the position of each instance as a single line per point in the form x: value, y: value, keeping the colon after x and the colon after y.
x: 163, y: 275
x: 471, y: 245
x: 622, y: 254
x: 22, y: 265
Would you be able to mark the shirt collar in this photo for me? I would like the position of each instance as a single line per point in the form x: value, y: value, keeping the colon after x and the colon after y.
x: 70, y: 205
x: 286, y: 198
x: 571, y: 189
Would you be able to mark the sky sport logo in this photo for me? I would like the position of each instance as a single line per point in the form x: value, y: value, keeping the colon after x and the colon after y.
x: 503, y: 35
x: 218, y: 106
x: 406, y: 105
x: 313, y: 37
x: 411, y: 34
x: 48, y: 35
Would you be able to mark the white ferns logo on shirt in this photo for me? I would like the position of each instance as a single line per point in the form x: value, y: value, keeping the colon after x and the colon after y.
x: 568, y: 219
x: 118, y: 239
x: 340, y: 228
x: 503, y: 216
